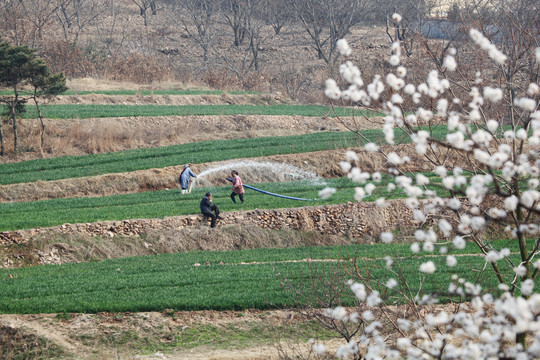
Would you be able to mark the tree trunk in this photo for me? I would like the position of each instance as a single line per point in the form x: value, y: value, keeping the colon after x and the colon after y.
x: 42, y: 134
x: 2, y: 142
x: 15, y: 132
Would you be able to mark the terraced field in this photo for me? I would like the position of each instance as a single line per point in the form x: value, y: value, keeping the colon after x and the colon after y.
x: 112, y: 289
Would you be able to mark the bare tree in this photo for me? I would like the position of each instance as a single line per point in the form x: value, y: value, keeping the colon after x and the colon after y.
x: 40, y: 14
x: 235, y: 17
x: 75, y: 15
x: 198, y: 19
x: 276, y: 14
x: 254, y: 26
x: 327, y: 21
x: 13, y: 24
x: 144, y: 6
x: 114, y: 34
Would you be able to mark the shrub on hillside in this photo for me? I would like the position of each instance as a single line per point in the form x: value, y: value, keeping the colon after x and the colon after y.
x: 137, y: 68
x: 71, y: 60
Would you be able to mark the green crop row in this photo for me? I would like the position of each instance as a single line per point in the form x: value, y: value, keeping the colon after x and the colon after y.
x: 147, y: 158
x: 159, y: 204
x: 201, y: 280
x: 201, y: 152
x: 85, y: 111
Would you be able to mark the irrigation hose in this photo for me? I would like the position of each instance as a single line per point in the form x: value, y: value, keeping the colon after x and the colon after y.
x: 269, y: 193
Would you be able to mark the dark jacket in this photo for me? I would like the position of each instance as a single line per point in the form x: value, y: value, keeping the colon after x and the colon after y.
x: 206, y: 205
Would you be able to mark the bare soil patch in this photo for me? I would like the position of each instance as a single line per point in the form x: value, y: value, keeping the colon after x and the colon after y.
x: 139, y: 99
x: 147, y: 335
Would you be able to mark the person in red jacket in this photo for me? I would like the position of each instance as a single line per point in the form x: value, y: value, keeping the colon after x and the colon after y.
x: 237, y: 188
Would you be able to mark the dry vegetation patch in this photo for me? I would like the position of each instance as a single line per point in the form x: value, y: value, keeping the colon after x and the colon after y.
x: 91, y: 136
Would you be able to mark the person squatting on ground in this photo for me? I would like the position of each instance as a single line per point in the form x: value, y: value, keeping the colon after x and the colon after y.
x: 209, y: 210
x: 186, y: 183
x: 238, y: 188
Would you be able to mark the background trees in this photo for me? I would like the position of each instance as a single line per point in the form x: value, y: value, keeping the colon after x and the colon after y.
x: 328, y: 21
x: 198, y: 20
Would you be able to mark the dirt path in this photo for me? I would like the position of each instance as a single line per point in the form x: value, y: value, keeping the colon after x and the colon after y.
x: 147, y: 335
x: 32, y: 323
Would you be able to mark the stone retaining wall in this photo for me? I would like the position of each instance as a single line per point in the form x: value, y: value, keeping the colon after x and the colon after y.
x: 352, y: 219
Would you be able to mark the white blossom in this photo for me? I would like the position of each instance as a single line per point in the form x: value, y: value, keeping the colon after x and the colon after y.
x: 332, y: 90
x: 526, y: 104
x: 442, y: 107
x: 520, y: 270
x: 327, y: 192
x: 339, y: 313
x: 450, y: 63
x: 369, y: 188
x: 486, y: 45
x: 493, y: 94
x: 451, y: 261
x: 391, y: 283
x: 381, y: 202
x: 345, y: 166
x: 394, y: 61
x: 359, y: 193
x: 344, y: 351
x: 428, y: 267
x: 387, y: 237
x: 459, y: 242
x: 359, y: 291
x: 440, y: 171
x: 445, y: 227
x: 428, y: 246
x: 371, y: 147
x: 343, y: 47
x: 394, y: 158
x: 511, y: 202
x: 454, y: 204
x: 527, y: 287
x: 373, y: 299
x: 533, y: 89
x: 492, y: 125
x: 319, y: 348
x: 401, y: 71
x: 419, y: 216
x: 409, y: 89
x: 351, y: 156
x: 474, y: 129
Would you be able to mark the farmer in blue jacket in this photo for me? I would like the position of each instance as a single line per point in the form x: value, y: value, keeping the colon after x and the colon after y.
x: 186, y: 183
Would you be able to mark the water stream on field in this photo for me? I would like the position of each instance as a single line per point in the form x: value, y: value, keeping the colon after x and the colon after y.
x: 255, y: 172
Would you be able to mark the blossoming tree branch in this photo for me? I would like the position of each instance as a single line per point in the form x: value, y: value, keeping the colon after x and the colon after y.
x: 487, y: 170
